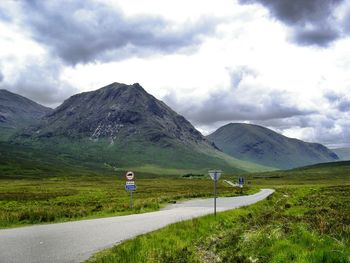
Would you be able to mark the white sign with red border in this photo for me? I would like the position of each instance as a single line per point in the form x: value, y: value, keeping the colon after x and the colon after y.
x: 129, y: 175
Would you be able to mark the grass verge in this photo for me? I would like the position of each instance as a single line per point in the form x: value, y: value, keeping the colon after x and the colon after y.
x: 295, y: 224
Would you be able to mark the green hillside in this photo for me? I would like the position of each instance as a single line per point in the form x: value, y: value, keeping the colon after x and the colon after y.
x: 343, y: 153
x: 260, y: 145
x: 17, y: 112
x: 125, y: 127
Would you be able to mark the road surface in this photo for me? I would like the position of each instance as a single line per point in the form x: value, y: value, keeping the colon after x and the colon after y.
x: 77, y: 241
x: 230, y: 183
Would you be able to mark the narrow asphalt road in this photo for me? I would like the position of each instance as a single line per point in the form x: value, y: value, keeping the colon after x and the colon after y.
x: 77, y: 241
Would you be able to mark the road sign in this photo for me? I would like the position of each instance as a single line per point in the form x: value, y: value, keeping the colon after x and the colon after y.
x: 215, y: 175
x: 130, y: 187
x: 129, y: 175
x: 130, y: 184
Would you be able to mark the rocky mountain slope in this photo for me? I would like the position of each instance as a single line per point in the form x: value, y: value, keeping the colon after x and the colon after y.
x: 17, y: 112
x: 124, y: 126
x: 263, y: 146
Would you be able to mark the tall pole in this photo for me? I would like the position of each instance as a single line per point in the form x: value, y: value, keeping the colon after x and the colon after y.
x: 215, y: 180
x: 130, y: 199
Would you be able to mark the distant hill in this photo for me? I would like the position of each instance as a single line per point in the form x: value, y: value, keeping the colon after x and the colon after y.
x: 124, y: 126
x: 263, y: 146
x: 343, y: 153
x: 343, y: 166
x: 17, y: 112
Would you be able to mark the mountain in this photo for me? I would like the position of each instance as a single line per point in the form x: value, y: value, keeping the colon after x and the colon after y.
x: 263, y: 146
x: 343, y: 153
x: 124, y: 126
x: 17, y: 112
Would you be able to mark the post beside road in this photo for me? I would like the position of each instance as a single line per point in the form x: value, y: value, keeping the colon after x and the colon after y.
x: 215, y: 186
x: 241, y: 183
x: 130, y: 199
x: 215, y: 175
x: 130, y: 185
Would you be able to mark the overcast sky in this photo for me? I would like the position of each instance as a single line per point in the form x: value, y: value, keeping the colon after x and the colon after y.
x: 279, y: 63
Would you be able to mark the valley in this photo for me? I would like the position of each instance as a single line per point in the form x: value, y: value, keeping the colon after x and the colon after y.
x: 174, y: 131
x: 69, y: 164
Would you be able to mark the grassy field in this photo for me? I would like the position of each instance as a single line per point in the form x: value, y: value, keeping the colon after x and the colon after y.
x: 62, y: 198
x: 305, y: 220
x: 38, y: 186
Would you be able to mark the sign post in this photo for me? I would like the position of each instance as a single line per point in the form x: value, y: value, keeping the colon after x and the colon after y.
x: 130, y: 185
x: 215, y: 175
x: 241, y: 182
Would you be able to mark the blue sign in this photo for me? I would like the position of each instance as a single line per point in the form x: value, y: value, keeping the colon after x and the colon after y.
x: 130, y: 187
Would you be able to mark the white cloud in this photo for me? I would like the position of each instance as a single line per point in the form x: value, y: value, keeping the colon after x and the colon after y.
x: 285, y: 76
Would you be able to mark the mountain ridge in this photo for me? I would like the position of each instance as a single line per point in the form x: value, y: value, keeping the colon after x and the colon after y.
x: 125, y: 126
x: 263, y: 146
x: 17, y: 112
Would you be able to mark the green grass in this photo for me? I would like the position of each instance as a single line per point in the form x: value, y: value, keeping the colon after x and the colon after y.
x: 42, y: 186
x: 294, y: 225
x: 5, y: 133
x: 26, y: 201
x: 306, y: 220
x: 140, y: 154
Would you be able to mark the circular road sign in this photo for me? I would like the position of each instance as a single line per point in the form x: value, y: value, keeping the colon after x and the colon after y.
x: 129, y: 175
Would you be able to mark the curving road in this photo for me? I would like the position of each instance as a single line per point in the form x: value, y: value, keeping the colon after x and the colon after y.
x: 77, y: 241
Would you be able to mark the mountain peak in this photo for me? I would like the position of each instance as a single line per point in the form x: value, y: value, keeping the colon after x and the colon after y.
x: 118, y: 112
x: 124, y: 124
x: 118, y: 85
x: 264, y: 146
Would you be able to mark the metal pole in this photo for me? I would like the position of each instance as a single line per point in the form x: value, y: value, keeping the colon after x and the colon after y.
x: 130, y: 199
x: 215, y: 194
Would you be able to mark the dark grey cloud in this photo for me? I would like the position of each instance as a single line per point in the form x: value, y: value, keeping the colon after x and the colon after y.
x: 222, y: 107
x: 40, y: 81
x: 330, y: 130
x: 83, y: 31
x: 312, y: 22
x: 339, y: 101
x: 301, y: 121
x: 347, y: 22
x: 332, y: 96
x: 240, y: 103
x: 317, y: 36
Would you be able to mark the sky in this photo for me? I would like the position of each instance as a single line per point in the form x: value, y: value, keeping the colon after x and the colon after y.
x: 278, y: 63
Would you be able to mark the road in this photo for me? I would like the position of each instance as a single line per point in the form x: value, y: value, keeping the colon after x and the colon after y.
x: 230, y: 183
x: 77, y: 241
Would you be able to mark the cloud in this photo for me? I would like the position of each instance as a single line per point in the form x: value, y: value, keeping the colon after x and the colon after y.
x: 311, y: 22
x: 323, y: 119
x: 243, y: 101
x: 1, y: 76
x: 346, y: 22
x: 320, y: 128
x: 329, y: 126
x: 338, y: 100
x: 86, y: 31
x: 40, y: 81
